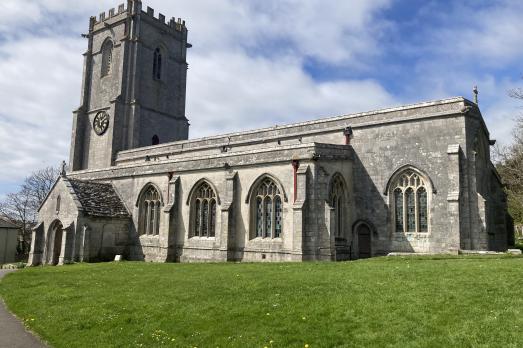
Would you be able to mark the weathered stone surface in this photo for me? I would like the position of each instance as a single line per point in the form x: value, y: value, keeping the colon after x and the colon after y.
x: 104, y: 213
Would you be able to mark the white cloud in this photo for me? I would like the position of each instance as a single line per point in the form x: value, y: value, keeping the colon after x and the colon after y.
x: 39, y: 89
x: 228, y: 92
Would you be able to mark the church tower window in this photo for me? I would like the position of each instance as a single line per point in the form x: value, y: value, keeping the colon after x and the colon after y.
x: 157, y: 64
x: 204, y: 214
x: 268, y: 210
x: 155, y: 140
x: 107, y: 57
x: 150, y: 204
x: 410, y: 202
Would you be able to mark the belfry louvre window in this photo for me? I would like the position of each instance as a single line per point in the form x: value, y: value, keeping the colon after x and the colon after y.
x: 204, y: 217
x: 410, y: 203
x: 150, y: 206
x: 107, y: 58
x: 268, y: 210
x: 337, y: 201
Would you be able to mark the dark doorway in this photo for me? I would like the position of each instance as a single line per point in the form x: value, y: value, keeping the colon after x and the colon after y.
x: 364, y: 241
x: 57, y: 242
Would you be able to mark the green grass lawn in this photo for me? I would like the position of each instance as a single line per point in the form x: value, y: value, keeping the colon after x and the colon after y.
x: 393, y: 302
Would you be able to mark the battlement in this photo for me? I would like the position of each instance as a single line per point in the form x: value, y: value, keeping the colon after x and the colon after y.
x: 102, y: 17
x: 135, y: 6
x: 174, y: 23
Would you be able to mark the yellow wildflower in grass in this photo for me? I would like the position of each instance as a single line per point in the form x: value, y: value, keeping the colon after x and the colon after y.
x: 306, y: 345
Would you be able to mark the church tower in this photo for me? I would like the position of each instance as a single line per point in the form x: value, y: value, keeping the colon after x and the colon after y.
x: 133, y: 87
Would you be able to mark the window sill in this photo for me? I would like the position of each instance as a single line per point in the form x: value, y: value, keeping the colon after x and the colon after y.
x: 149, y: 236
x: 267, y: 239
x: 201, y: 238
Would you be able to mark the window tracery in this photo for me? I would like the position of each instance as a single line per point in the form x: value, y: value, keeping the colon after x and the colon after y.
x: 268, y: 210
x: 150, y: 205
x: 410, y: 203
x: 204, y: 218
x: 337, y: 201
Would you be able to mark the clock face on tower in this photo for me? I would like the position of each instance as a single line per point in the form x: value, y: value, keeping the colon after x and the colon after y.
x: 101, y: 122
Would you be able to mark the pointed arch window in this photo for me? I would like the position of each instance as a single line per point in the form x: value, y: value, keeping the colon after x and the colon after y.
x: 204, y: 214
x: 410, y: 203
x: 157, y: 64
x: 150, y: 205
x: 107, y: 58
x: 268, y: 210
x: 337, y: 202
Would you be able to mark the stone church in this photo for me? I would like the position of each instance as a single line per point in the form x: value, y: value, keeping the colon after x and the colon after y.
x: 415, y: 179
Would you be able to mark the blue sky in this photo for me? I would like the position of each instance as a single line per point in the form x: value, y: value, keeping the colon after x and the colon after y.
x: 264, y: 62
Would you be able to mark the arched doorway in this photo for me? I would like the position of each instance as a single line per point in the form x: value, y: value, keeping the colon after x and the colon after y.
x: 54, y: 244
x: 364, y: 235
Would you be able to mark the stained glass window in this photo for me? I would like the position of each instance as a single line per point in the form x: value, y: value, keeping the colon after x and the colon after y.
x: 422, y: 209
x: 398, y: 209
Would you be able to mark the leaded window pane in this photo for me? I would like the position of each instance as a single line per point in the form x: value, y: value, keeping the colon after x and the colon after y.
x: 259, y: 217
x: 205, y: 218
x: 398, y: 209
x: 149, y: 215
x: 213, y: 219
x: 268, y: 210
x: 151, y: 218
x: 422, y: 209
x: 339, y: 218
x: 411, y: 210
x: 279, y: 217
x: 198, y: 219
x: 268, y: 217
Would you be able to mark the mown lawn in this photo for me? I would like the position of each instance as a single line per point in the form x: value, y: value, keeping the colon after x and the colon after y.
x: 393, y: 302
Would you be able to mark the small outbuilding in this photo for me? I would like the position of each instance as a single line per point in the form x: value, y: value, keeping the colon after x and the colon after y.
x: 8, y: 241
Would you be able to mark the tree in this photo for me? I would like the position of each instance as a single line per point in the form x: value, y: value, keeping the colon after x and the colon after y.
x: 510, y: 165
x: 21, y: 208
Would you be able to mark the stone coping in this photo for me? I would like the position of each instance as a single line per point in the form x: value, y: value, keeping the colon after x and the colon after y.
x: 262, y: 136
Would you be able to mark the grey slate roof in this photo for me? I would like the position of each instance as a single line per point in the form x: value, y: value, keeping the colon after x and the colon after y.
x: 98, y: 199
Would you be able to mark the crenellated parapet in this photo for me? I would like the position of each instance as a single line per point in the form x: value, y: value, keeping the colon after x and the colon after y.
x: 176, y: 24
x: 102, y: 17
x: 133, y: 6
